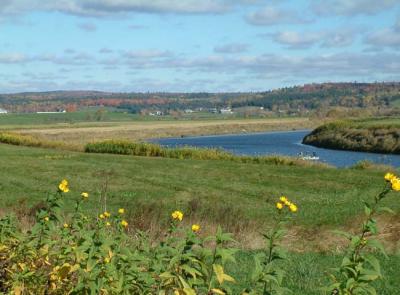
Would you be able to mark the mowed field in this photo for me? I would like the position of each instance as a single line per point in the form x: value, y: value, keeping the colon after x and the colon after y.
x: 81, y: 127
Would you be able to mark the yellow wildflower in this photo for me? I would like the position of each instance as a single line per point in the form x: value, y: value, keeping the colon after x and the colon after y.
x: 177, y: 215
x: 293, y: 208
x: 195, y: 228
x: 283, y: 199
x: 101, y: 216
x: 121, y: 210
x: 124, y: 223
x: 106, y: 260
x: 63, y: 186
x: 46, y: 219
x: 279, y: 206
x: 389, y: 176
x: 66, y: 225
x: 84, y: 195
x: 395, y: 184
x: 106, y: 214
x: 108, y: 224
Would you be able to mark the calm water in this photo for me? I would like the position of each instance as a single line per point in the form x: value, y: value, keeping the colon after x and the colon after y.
x: 282, y: 143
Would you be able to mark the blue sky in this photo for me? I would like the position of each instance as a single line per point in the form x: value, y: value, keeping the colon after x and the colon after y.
x: 191, y: 45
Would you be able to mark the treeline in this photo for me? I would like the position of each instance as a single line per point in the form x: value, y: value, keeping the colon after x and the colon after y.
x: 367, y: 136
x: 310, y: 97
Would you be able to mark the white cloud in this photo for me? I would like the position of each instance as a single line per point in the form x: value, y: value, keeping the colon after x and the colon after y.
x: 296, y: 40
x: 272, y: 15
x: 231, y: 48
x: 105, y: 50
x: 351, y: 7
x: 146, y: 54
x: 387, y: 37
x: 88, y: 27
x: 99, y: 8
x: 13, y: 58
x: 339, y: 37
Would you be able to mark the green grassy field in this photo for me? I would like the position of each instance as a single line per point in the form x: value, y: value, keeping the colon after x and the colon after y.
x: 238, y: 196
x: 307, y: 272
x: 377, y: 122
x: 90, y: 117
x: 216, y: 188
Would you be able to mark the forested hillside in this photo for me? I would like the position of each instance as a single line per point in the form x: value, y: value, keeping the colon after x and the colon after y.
x: 297, y: 99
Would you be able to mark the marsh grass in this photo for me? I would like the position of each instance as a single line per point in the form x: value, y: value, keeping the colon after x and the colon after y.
x: 368, y: 165
x: 154, y: 150
x: 31, y: 141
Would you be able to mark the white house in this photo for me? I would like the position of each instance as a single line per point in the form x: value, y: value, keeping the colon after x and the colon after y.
x: 3, y: 111
x: 226, y: 111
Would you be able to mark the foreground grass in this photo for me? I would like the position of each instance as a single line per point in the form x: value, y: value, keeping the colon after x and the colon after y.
x: 308, y: 272
x: 236, y: 195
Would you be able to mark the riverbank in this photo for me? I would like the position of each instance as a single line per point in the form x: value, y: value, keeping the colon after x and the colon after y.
x: 378, y: 135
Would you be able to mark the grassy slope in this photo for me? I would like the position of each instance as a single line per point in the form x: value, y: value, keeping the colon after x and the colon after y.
x: 231, y: 192
x: 320, y: 192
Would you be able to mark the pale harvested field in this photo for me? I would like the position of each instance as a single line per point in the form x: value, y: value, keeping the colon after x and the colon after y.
x: 81, y: 134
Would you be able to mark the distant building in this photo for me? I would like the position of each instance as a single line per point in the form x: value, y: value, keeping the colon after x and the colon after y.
x: 3, y: 111
x: 226, y: 111
x: 189, y: 111
x: 57, y: 112
x: 157, y: 113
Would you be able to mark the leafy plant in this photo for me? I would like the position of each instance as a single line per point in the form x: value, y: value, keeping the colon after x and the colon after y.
x: 360, y: 266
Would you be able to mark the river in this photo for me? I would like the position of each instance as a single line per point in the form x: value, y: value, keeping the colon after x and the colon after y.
x: 286, y: 143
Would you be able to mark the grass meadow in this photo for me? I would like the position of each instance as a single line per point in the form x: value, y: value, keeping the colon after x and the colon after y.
x: 238, y: 195
x: 78, y: 129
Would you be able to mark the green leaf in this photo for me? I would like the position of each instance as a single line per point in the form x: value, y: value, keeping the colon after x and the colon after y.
x: 385, y: 209
x: 221, y: 276
x: 367, y: 209
x: 377, y: 245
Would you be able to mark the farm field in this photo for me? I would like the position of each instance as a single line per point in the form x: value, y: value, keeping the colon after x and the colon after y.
x: 74, y: 130
x: 96, y: 116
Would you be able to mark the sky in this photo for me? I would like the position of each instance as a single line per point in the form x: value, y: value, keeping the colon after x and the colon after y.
x: 195, y: 45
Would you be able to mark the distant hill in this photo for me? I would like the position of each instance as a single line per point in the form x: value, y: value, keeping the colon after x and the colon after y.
x: 297, y: 99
